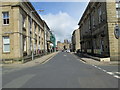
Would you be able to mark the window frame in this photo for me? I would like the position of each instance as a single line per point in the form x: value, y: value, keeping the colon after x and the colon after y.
x: 5, y: 44
x: 99, y: 14
x: 23, y: 21
x: 8, y: 18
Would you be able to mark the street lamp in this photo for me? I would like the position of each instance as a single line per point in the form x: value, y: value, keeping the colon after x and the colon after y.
x: 31, y: 30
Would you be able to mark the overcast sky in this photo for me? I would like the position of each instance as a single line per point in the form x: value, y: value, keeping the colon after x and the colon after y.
x: 61, y: 17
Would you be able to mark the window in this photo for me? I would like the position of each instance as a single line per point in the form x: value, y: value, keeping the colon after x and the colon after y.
x: 23, y: 20
x: 35, y: 26
x: 93, y: 21
x: 118, y: 10
x: 6, y: 44
x: 30, y: 24
x: 30, y: 43
x: 5, y: 18
x: 99, y: 14
x: 89, y: 24
x: 39, y: 29
x: 117, y: 5
x: 24, y: 44
x: 117, y: 13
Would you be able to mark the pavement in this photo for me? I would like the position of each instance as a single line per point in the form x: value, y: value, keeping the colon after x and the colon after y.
x: 86, y: 58
x: 31, y: 63
x: 64, y: 70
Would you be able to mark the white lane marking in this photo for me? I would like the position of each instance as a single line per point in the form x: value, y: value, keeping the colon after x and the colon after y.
x: 95, y: 66
x: 113, y: 73
x: 116, y: 76
x: 99, y: 68
x: 117, y: 72
x: 65, y: 55
x: 104, y: 70
x: 110, y: 73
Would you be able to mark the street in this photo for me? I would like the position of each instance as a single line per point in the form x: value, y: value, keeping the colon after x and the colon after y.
x: 64, y: 70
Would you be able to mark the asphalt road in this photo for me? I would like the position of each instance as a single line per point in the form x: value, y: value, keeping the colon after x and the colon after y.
x: 64, y: 70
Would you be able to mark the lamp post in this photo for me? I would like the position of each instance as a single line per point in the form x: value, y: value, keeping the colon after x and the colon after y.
x: 31, y: 30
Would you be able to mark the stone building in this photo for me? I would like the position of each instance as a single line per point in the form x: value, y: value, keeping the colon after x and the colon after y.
x: 97, y: 27
x: 47, y: 37
x: 63, y: 46
x: 50, y: 41
x: 76, y: 40
x: 22, y: 30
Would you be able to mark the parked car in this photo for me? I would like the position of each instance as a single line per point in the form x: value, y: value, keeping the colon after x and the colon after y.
x: 62, y: 50
x: 68, y: 50
x: 78, y: 51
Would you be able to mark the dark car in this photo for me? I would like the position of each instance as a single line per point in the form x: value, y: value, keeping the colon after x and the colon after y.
x: 78, y: 51
x: 62, y: 50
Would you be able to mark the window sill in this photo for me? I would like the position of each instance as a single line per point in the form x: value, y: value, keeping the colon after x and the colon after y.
x: 5, y: 24
x: 6, y: 53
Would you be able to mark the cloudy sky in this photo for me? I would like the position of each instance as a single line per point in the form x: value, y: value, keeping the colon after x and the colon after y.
x: 61, y: 17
